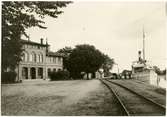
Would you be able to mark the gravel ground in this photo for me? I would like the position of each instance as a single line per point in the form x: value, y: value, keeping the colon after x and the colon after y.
x: 155, y: 93
x: 136, y: 105
x: 45, y: 98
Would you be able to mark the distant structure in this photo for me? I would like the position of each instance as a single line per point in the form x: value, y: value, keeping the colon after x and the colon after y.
x: 141, y: 70
x: 98, y: 74
x: 126, y: 74
x: 38, y: 61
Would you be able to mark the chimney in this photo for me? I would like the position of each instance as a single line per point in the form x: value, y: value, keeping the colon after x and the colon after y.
x: 41, y: 41
x: 139, y: 54
x: 47, y: 46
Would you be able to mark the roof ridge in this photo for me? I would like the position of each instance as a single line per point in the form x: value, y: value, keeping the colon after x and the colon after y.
x: 33, y: 42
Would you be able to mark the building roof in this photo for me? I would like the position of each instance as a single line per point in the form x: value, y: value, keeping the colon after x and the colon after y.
x: 50, y: 53
x: 32, y: 43
x: 55, y: 54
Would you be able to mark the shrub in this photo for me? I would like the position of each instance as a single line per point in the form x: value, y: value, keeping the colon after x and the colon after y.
x: 8, y: 77
x: 76, y: 75
x: 59, y: 75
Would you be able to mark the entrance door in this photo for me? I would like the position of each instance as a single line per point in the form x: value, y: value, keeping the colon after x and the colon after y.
x: 33, y: 73
x: 25, y: 73
x: 40, y: 72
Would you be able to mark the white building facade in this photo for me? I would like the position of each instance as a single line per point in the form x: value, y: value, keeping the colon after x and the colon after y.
x: 38, y: 61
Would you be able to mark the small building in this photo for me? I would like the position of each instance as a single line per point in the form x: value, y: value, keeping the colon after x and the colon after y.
x: 38, y: 61
x: 115, y: 76
x: 126, y: 74
x: 97, y: 74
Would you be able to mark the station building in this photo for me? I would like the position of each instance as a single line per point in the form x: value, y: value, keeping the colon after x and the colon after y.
x: 38, y: 61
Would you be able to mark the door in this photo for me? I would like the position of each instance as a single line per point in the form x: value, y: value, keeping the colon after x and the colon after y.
x: 40, y: 72
x: 25, y: 73
x: 33, y: 73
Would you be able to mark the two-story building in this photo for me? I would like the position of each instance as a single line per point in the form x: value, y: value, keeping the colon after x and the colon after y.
x: 38, y: 61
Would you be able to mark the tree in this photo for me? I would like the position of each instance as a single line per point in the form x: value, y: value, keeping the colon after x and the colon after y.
x: 164, y: 72
x: 17, y: 16
x: 85, y: 58
x: 66, y: 51
x: 107, y: 65
x: 157, y: 70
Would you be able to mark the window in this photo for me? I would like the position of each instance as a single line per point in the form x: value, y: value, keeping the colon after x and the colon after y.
x: 40, y: 57
x: 35, y: 57
x: 59, y: 60
x: 25, y: 56
x: 54, y: 69
x: 55, y: 60
x: 31, y: 57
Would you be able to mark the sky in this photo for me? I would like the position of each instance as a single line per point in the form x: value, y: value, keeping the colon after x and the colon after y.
x: 115, y: 28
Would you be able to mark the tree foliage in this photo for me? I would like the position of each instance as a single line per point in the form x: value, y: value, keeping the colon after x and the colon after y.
x: 164, y: 72
x: 157, y: 69
x: 85, y: 58
x: 17, y: 16
x: 66, y: 51
x: 107, y: 65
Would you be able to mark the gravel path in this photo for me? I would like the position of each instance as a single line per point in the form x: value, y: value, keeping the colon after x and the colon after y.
x: 79, y: 97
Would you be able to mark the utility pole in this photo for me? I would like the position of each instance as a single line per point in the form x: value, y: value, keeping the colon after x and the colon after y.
x: 143, y: 44
x: 117, y: 67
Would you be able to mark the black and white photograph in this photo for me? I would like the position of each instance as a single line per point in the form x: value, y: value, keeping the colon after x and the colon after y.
x: 83, y: 58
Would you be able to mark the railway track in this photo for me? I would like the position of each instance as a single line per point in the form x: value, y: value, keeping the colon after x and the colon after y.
x: 133, y: 103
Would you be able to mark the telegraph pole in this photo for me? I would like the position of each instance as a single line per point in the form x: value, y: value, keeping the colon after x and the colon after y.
x: 143, y: 44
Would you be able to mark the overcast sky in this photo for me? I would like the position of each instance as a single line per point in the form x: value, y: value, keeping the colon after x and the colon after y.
x: 114, y: 28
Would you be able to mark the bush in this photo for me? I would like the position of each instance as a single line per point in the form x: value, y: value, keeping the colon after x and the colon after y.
x: 59, y: 75
x: 8, y: 77
x: 76, y: 75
